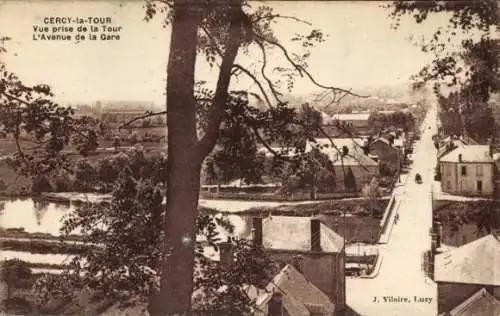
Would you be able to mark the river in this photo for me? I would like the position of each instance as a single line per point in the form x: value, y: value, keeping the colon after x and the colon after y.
x: 46, y: 217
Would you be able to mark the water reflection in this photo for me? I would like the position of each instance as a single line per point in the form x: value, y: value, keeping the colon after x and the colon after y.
x: 34, y: 217
x: 40, y: 208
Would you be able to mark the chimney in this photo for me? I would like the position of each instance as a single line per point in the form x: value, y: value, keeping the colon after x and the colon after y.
x: 257, y: 231
x: 459, y: 157
x: 315, y: 235
x: 275, y: 305
x: 226, y: 253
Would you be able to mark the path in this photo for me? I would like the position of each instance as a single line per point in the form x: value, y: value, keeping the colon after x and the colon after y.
x: 401, y: 274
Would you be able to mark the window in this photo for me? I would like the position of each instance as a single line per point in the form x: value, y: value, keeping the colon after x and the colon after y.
x: 479, y: 170
x: 448, y: 185
x: 464, y: 170
x: 480, y: 186
x: 447, y: 170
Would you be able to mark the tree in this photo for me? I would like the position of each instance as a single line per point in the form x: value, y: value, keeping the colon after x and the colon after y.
x: 127, y: 264
x: 350, y: 180
x: 218, y: 31
x: 371, y: 190
x: 473, y: 71
x: 134, y: 138
x: 40, y: 127
x: 85, y: 175
x: 13, y: 273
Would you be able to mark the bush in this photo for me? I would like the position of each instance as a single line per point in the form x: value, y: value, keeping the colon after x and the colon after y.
x: 41, y: 184
x: 63, y: 183
x: 13, y: 272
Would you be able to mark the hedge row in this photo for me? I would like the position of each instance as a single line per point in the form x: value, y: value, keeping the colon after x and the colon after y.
x: 43, y: 247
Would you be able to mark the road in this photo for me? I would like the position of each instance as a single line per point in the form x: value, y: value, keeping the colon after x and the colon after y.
x: 401, y: 273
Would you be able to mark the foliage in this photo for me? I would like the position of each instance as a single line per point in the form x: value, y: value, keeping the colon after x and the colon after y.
x: 350, y: 180
x: 218, y: 32
x: 40, y: 128
x: 49, y: 290
x: 386, y: 169
x: 130, y: 232
x: 472, y: 71
x: 371, y: 191
x: 222, y: 285
x: 134, y: 138
x: 484, y: 215
x: 399, y: 119
x: 41, y: 184
x: 13, y: 272
x: 63, y: 182
x: 85, y: 175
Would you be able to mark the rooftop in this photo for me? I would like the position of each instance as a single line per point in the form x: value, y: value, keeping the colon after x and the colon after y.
x: 481, y: 303
x: 472, y: 263
x: 294, y: 233
x: 355, y: 156
x: 300, y: 296
x: 469, y: 153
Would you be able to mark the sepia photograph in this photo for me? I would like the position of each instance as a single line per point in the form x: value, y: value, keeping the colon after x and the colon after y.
x: 249, y: 158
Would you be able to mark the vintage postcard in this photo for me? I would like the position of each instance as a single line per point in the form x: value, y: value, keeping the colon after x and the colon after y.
x: 233, y: 157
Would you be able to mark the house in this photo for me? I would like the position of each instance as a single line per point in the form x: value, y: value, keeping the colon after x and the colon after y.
x: 451, y: 142
x: 480, y: 303
x: 291, y: 293
x: 385, y: 151
x: 464, y: 272
x: 468, y: 170
x: 317, y: 250
x: 355, y: 161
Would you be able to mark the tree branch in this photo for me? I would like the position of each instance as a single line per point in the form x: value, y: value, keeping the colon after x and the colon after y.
x: 146, y: 115
x: 302, y: 71
x: 276, y: 16
x: 277, y: 95
x: 206, y: 144
x: 257, y: 82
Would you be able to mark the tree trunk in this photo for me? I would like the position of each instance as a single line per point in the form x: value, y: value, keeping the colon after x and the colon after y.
x: 184, y: 168
x: 186, y: 153
x: 312, y: 193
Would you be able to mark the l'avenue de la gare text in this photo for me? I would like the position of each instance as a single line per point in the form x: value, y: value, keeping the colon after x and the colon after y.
x: 69, y: 37
x: 402, y: 299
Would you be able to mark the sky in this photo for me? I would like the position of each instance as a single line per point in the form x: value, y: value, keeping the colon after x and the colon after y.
x: 360, y: 48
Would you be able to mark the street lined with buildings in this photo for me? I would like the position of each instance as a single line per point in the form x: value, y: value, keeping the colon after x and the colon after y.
x: 401, y: 286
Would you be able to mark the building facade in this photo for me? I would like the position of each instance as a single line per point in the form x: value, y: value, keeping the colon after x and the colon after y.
x: 468, y: 170
x: 318, y: 251
x: 466, y: 270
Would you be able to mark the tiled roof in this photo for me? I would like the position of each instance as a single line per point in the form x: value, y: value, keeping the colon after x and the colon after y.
x: 299, y: 294
x: 472, y: 263
x: 355, y: 156
x: 294, y: 233
x: 470, y: 153
x: 481, y: 303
